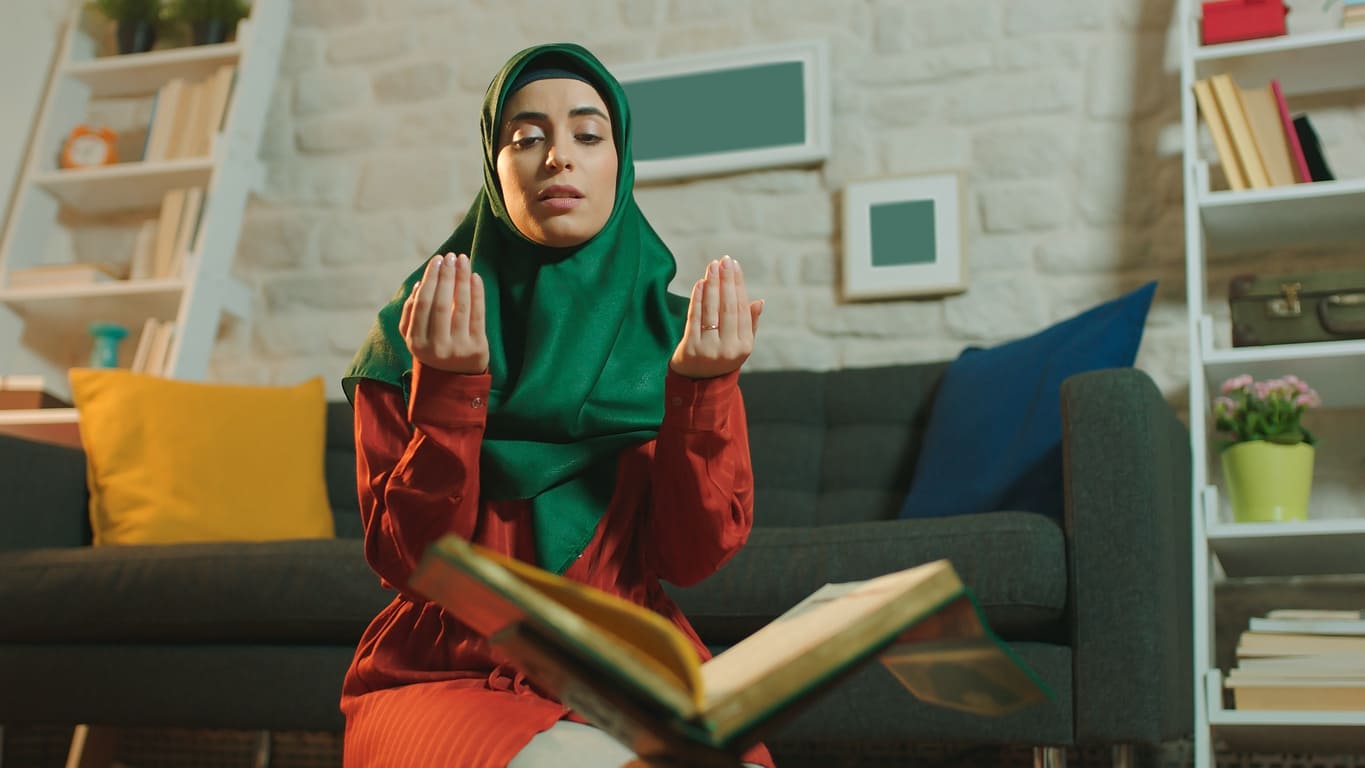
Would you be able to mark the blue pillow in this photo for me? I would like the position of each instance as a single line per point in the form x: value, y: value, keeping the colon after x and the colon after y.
x: 994, y: 438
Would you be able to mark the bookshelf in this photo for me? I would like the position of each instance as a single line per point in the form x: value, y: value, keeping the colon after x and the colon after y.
x: 227, y: 89
x: 1225, y: 223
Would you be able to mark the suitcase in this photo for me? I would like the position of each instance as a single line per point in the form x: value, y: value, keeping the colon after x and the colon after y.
x: 1296, y: 308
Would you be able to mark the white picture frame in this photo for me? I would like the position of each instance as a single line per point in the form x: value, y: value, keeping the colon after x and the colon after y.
x: 905, y: 237
x: 707, y: 115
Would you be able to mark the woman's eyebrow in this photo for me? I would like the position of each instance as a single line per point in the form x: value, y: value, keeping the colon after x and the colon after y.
x: 575, y: 112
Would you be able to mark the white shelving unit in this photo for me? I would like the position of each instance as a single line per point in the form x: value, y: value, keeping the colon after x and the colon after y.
x: 41, y: 328
x: 1226, y: 222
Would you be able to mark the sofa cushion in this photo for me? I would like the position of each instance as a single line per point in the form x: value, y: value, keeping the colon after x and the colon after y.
x: 177, y: 461
x: 994, y: 439
x: 1014, y: 562
x: 304, y: 591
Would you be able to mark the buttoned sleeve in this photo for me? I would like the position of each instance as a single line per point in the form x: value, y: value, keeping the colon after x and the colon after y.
x: 701, y: 499
x: 417, y: 468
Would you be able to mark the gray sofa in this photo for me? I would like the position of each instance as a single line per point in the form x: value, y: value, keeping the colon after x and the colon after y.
x: 257, y: 636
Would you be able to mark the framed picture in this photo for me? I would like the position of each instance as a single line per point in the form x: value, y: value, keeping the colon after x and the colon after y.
x: 730, y: 110
x: 905, y: 237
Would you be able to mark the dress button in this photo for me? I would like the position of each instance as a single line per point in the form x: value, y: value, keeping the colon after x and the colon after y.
x: 676, y: 401
x: 476, y: 403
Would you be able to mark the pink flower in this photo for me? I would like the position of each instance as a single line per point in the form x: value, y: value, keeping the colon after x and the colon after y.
x: 1308, y: 399
x: 1236, y: 383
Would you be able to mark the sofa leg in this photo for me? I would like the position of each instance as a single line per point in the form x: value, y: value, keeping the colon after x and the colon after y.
x: 262, y: 756
x: 1124, y: 756
x: 1049, y: 757
x: 92, y: 746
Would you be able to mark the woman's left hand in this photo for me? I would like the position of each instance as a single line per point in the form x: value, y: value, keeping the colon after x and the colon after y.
x: 721, y: 324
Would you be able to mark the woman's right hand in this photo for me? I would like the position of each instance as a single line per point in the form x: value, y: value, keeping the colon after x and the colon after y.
x: 443, y: 317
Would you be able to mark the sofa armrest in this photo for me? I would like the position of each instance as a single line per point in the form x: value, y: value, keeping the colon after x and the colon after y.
x: 45, y: 500
x: 1128, y: 502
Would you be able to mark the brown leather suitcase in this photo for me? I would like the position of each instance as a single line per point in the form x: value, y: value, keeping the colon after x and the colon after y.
x: 1296, y: 308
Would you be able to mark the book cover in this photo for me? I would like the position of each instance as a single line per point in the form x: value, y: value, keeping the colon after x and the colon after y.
x: 1252, y: 644
x: 63, y: 275
x: 1263, y: 117
x: 1301, y: 173
x: 1230, y: 103
x: 1218, y: 130
x: 631, y: 672
x: 1312, y: 150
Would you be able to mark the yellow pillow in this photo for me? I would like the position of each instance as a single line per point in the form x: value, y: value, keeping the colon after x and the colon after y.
x: 176, y: 461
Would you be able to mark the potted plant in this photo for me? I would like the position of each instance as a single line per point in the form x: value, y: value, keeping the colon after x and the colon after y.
x: 1268, y: 458
x: 135, y: 22
x: 211, y: 21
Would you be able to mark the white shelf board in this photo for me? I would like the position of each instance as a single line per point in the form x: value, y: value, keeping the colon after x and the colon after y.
x: 125, y: 302
x: 124, y: 186
x: 1308, y: 63
x: 1278, y: 731
x: 137, y: 73
x: 1295, y: 548
x: 1296, y: 214
x: 1336, y: 369
x: 50, y: 425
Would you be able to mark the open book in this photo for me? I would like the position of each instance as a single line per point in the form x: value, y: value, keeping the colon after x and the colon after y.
x: 632, y: 673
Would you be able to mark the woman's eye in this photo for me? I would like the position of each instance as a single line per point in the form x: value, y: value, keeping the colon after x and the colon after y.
x: 523, y: 142
x: 589, y: 138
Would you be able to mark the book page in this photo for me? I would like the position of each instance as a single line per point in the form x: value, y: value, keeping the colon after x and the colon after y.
x: 950, y: 659
x: 634, y: 645
x: 833, y: 615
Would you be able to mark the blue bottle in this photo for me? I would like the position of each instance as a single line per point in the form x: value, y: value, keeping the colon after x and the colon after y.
x: 104, y: 352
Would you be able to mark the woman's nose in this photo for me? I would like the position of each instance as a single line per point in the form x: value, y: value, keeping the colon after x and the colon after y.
x: 558, y: 157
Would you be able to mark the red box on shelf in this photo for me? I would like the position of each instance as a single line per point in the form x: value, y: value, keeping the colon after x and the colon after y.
x: 1227, y: 20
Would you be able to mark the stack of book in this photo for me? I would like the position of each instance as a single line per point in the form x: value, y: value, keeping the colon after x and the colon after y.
x: 1259, y: 144
x: 187, y: 116
x: 1301, y: 660
x: 1354, y: 15
x: 62, y: 275
x: 153, y: 352
x: 27, y: 391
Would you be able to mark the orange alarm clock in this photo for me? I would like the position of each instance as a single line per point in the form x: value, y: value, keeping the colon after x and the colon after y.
x: 88, y: 147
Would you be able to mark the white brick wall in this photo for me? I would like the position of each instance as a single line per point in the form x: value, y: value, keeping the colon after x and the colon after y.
x: 1060, y: 112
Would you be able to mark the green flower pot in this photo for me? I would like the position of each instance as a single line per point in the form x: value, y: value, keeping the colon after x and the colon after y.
x: 1268, y: 482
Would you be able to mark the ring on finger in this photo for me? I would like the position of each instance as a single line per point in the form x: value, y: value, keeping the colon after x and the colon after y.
x: 713, y: 327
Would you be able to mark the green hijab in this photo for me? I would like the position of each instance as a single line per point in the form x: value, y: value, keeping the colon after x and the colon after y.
x: 579, y: 338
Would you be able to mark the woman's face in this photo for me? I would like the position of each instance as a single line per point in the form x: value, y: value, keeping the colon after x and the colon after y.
x: 557, y: 161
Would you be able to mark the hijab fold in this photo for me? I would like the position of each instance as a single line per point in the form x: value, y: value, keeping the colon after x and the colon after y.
x: 579, y: 338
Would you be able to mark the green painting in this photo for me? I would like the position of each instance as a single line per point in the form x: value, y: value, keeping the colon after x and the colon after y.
x: 902, y: 233
x: 731, y: 110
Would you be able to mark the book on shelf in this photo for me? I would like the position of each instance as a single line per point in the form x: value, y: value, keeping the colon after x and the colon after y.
x: 1254, y: 643
x: 152, y: 353
x: 1218, y: 131
x: 62, y: 275
x: 1290, y: 694
x: 187, y: 114
x: 1300, y: 659
x: 162, y: 255
x: 1300, y: 163
x: 632, y: 673
x: 1267, y: 128
x: 1312, y: 149
x: 164, y: 115
x: 23, y: 392
x: 1229, y: 97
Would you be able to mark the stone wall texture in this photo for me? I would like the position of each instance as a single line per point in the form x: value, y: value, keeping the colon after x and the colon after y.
x: 1063, y: 116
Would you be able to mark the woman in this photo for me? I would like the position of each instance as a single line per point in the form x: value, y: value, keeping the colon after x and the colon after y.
x: 535, y: 389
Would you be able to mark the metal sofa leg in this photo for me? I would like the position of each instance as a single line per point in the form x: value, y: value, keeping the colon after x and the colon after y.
x: 262, y: 757
x: 1049, y: 757
x: 1124, y: 756
x: 92, y: 746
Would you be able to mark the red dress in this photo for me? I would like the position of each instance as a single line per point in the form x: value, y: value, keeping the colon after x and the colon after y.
x: 423, y: 688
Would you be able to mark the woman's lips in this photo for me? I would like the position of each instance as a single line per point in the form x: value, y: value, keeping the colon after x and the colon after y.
x: 561, y: 197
